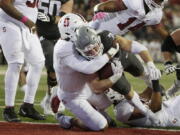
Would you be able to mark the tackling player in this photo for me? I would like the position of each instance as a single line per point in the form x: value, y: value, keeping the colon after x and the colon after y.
x: 91, y: 46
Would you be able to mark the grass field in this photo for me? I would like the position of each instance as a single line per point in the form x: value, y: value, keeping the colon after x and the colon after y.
x: 138, y: 85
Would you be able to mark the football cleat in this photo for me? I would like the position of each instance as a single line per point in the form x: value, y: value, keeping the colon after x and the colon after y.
x: 64, y: 121
x: 28, y: 110
x: 10, y: 115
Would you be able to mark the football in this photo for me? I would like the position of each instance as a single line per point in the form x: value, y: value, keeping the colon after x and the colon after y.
x: 106, y: 71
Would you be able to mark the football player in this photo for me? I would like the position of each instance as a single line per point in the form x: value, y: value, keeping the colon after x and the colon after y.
x: 167, y: 113
x: 73, y: 73
x: 19, y: 41
x: 49, y: 13
x: 122, y: 16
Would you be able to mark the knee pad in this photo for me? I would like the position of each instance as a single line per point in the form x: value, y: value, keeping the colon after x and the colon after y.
x: 38, y: 65
x: 50, y: 80
x: 168, y: 45
x: 15, y: 66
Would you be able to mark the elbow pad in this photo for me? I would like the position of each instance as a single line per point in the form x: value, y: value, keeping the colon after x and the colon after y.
x: 136, y: 47
x: 169, y: 45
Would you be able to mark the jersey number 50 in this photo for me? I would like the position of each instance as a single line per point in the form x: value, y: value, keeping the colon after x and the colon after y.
x: 32, y: 3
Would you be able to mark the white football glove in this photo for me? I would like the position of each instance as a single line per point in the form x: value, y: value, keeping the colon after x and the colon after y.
x: 169, y: 68
x: 114, y: 96
x: 117, y: 69
x: 43, y: 17
x: 113, y: 51
x: 153, y: 72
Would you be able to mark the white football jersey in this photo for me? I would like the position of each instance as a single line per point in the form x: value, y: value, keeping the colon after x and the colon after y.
x: 168, y: 116
x: 131, y: 19
x: 70, y: 79
x: 27, y: 7
x: 72, y: 70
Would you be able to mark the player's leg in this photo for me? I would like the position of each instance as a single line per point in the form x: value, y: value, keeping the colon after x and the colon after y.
x: 12, y: 52
x: 83, y: 110
x: 101, y: 102
x: 48, y: 49
x: 34, y: 56
x: 169, y: 47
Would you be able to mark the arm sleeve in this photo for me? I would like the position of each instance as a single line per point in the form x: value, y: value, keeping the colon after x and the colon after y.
x: 80, y: 64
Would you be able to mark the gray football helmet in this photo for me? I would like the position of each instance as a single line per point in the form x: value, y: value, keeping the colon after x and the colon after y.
x: 88, y: 42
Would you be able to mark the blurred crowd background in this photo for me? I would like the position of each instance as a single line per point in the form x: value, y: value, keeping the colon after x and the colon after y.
x: 151, y: 40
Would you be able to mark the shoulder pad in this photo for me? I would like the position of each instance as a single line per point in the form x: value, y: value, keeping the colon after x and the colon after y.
x: 64, y: 48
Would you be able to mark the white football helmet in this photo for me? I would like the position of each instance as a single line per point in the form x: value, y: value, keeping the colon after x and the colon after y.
x: 152, y: 4
x: 68, y: 24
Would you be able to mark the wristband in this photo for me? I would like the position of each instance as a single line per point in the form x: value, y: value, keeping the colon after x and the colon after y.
x: 24, y: 19
x: 156, y: 86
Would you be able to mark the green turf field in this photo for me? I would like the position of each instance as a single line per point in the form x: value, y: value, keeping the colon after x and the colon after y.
x: 136, y: 83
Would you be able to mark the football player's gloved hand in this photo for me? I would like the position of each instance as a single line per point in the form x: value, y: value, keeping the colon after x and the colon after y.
x: 117, y: 69
x: 114, y: 96
x: 43, y: 17
x: 169, y: 67
x: 113, y: 51
x: 154, y: 73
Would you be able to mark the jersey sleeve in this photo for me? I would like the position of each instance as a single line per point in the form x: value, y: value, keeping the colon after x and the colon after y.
x: 82, y: 65
x: 72, y: 59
